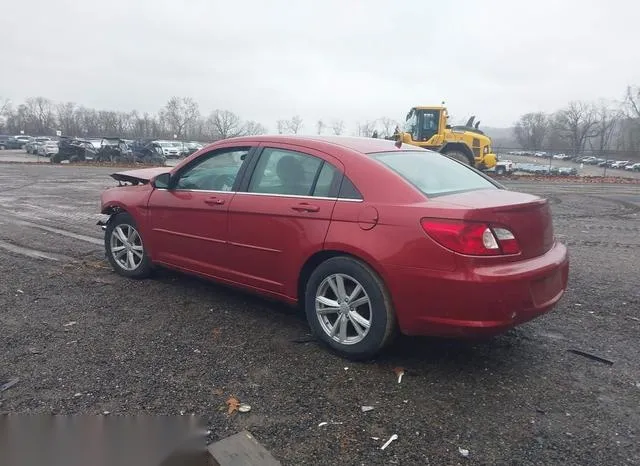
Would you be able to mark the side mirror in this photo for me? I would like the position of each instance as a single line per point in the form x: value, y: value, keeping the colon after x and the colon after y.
x: 161, y: 181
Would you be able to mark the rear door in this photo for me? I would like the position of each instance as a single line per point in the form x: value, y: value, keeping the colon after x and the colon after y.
x: 188, y: 220
x: 282, y: 215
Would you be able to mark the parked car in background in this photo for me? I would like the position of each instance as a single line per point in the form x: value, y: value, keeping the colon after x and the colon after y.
x: 564, y: 171
x: 441, y: 250
x: 633, y: 167
x: 8, y: 142
x: 189, y: 148
x: 171, y: 149
x: 22, y: 139
x: 620, y: 163
x: 33, y: 143
x: 48, y: 148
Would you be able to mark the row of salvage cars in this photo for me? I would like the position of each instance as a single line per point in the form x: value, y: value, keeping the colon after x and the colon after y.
x: 112, y: 150
x: 109, y: 149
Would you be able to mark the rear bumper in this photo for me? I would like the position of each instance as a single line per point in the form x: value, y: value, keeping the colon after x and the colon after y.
x: 482, y: 301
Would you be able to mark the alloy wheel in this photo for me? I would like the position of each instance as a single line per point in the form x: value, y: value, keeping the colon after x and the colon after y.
x: 343, y: 309
x: 126, y: 247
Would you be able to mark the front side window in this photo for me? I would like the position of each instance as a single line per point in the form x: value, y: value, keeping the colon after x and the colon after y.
x: 286, y: 172
x: 433, y: 173
x: 216, y: 171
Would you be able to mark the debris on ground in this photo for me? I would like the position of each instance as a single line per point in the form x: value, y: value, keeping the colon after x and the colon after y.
x: 218, y: 391
x: 9, y: 384
x: 399, y: 371
x: 77, y: 395
x: 244, y: 408
x: 591, y: 356
x: 233, y: 403
x: 388, y: 442
x: 70, y: 324
x: 34, y: 350
x: 633, y: 318
x: 20, y: 291
x: 241, y: 448
x: 375, y: 438
x: 463, y: 451
x: 323, y: 424
x: 366, y: 408
x: 215, y: 333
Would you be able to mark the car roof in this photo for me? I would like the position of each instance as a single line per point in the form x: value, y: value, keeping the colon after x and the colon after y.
x: 364, y: 145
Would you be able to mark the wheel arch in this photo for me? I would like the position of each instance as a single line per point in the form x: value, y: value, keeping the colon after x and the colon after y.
x: 319, y: 257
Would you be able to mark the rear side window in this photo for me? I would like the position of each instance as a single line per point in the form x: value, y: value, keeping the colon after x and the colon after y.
x: 433, y: 173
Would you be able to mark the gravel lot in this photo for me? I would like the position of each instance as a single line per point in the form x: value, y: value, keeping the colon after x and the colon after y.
x: 83, y: 340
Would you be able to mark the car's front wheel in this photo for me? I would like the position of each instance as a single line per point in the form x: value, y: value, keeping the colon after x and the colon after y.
x: 349, y: 309
x: 124, y: 247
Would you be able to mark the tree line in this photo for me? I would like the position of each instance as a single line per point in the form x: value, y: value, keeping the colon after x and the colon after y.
x: 180, y: 117
x: 600, y: 126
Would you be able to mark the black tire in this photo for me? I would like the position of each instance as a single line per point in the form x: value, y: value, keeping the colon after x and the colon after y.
x: 459, y: 156
x: 382, y: 317
x: 143, y: 268
x: 500, y: 171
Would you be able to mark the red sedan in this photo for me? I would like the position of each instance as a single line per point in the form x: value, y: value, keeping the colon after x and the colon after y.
x: 370, y: 238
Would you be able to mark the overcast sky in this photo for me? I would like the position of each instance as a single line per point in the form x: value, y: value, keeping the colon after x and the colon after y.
x: 348, y: 59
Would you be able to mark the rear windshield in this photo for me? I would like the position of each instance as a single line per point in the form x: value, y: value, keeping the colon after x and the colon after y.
x: 433, y: 173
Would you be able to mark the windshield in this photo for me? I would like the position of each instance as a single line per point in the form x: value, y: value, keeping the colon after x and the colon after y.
x: 433, y: 173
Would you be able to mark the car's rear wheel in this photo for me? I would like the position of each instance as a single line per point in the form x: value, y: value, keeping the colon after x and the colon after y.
x: 125, y: 248
x: 349, y: 309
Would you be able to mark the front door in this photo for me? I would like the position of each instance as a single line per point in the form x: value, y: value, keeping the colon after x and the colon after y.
x: 282, y: 216
x: 189, y: 219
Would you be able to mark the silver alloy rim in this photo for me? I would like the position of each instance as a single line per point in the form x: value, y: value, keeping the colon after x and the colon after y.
x: 343, y: 309
x: 126, y: 247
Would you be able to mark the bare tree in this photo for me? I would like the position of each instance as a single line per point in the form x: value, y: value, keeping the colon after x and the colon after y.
x: 283, y: 126
x: 40, y: 112
x: 178, y: 113
x: 388, y: 126
x: 338, y: 127
x: 366, y: 129
x: 607, y: 121
x: 632, y: 101
x: 577, y: 123
x: 67, y: 118
x: 320, y: 126
x: 295, y: 124
x: 531, y: 130
x: 253, y: 128
x: 225, y: 124
x: 5, y: 105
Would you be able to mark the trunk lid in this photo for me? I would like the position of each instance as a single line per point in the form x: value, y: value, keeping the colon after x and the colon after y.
x: 527, y: 216
x: 140, y: 175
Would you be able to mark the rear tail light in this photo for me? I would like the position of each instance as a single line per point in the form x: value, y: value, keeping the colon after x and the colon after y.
x: 471, y: 238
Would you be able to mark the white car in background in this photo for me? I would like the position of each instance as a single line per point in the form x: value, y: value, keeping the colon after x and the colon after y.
x: 48, y: 148
x: 170, y: 148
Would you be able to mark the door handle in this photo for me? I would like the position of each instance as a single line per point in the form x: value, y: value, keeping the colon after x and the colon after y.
x: 304, y: 207
x: 214, y: 201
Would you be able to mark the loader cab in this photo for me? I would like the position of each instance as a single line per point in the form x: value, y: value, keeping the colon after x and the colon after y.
x: 425, y: 122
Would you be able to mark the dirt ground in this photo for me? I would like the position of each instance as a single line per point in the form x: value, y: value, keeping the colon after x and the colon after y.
x: 80, y: 339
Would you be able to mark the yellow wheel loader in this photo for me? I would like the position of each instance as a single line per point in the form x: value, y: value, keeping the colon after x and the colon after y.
x: 427, y: 127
